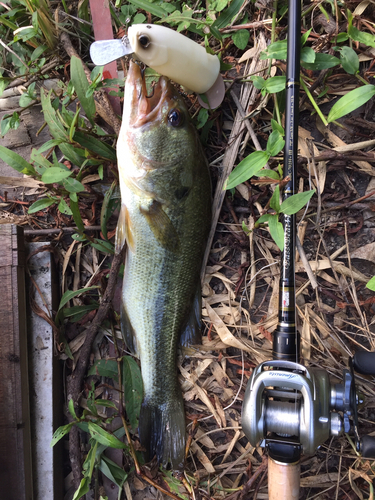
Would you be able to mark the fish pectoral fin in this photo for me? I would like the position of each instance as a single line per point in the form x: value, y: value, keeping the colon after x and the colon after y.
x: 162, y: 227
x: 124, y: 230
x: 192, y: 332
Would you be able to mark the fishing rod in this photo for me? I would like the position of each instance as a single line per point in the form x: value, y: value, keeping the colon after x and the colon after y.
x: 289, y: 408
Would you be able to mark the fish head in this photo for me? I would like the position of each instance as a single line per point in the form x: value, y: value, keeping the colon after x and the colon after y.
x: 156, y: 130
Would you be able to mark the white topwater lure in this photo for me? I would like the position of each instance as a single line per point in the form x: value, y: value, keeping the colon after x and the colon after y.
x: 169, y: 53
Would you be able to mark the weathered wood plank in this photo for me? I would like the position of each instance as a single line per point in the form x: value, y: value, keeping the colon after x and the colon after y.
x: 15, y: 442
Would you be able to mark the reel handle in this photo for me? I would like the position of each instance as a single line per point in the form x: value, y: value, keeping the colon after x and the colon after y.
x: 364, y: 362
x: 367, y: 446
x: 283, y: 480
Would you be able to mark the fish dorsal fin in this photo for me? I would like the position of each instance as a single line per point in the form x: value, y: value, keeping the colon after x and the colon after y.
x: 162, y: 227
x: 124, y: 230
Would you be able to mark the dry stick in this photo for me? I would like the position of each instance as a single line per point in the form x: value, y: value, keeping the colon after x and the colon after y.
x: 75, y: 380
x: 104, y: 107
x: 40, y: 232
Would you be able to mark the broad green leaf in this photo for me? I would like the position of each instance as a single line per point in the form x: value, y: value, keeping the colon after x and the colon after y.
x: 305, y: 36
x: 308, y: 55
x: 275, y: 84
x: 276, y: 231
x: 322, y: 61
x: 241, y: 38
x: 60, y: 432
x: 263, y: 218
x: 103, y: 246
x: 276, y: 126
x: 25, y: 100
x: 295, y: 202
x: 89, y: 463
x: 139, y: 18
x: 349, y: 60
x: 245, y: 228
x: 55, y: 126
x: 40, y: 205
x: 38, y: 52
x: 202, y: 118
x: 71, y: 409
x: 227, y: 15
x: 108, y: 207
x: 76, y: 214
x: 275, y: 200
x: 248, y: 167
x: 55, y: 174
x: 73, y: 186
x: 276, y: 50
x: 84, y: 487
x: 16, y: 161
x: 342, y: 37
x: 64, y: 208
x: 270, y: 174
x: 70, y: 294
x: 3, y: 84
x: 74, y: 155
x: 174, y: 484
x: 106, y: 403
x: 351, y: 101
x: 76, y: 313
x: 218, y: 5
x: 111, y: 470
x: 153, y: 9
x: 371, y: 284
x: 104, y: 437
x: 98, y: 147
x: 48, y: 145
x: 258, y: 82
x: 361, y: 36
x: 275, y: 143
x: 105, y: 368
x: 79, y: 79
x: 133, y: 390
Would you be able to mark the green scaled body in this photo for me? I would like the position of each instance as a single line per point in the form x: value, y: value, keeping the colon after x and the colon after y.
x: 165, y: 219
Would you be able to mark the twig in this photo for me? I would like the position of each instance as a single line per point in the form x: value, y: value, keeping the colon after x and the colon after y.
x: 246, y: 121
x: 344, y: 205
x: 12, y: 52
x: 306, y: 264
x: 41, y: 232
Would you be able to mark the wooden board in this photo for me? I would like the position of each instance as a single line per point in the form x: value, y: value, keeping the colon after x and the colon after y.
x: 15, y: 443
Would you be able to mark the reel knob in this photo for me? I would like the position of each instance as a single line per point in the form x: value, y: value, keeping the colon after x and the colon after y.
x: 364, y: 362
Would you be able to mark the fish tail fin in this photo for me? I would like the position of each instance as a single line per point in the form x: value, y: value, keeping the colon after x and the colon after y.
x: 162, y: 432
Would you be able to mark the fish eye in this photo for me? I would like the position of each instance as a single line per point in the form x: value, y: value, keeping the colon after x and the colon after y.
x: 175, y: 117
x: 144, y: 40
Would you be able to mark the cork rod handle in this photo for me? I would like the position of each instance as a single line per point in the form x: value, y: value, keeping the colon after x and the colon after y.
x: 283, y: 480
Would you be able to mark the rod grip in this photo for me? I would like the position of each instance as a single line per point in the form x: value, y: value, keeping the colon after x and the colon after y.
x: 364, y: 362
x: 283, y: 480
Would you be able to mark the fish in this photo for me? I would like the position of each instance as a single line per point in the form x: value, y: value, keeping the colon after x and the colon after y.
x: 165, y: 218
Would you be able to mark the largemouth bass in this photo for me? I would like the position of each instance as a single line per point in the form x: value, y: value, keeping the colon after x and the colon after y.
x: 165, y: 218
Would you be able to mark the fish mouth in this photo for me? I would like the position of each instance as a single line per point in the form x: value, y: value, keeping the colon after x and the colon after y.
x: 144, y: 108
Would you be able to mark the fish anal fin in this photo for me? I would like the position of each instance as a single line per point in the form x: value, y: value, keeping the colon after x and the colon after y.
x: 192, y: 332
x: 128, y: 333
x: 124, y: 230
x: 161, y: 226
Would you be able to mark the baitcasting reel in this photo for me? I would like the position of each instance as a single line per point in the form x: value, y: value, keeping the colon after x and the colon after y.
x: 293, y: 409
